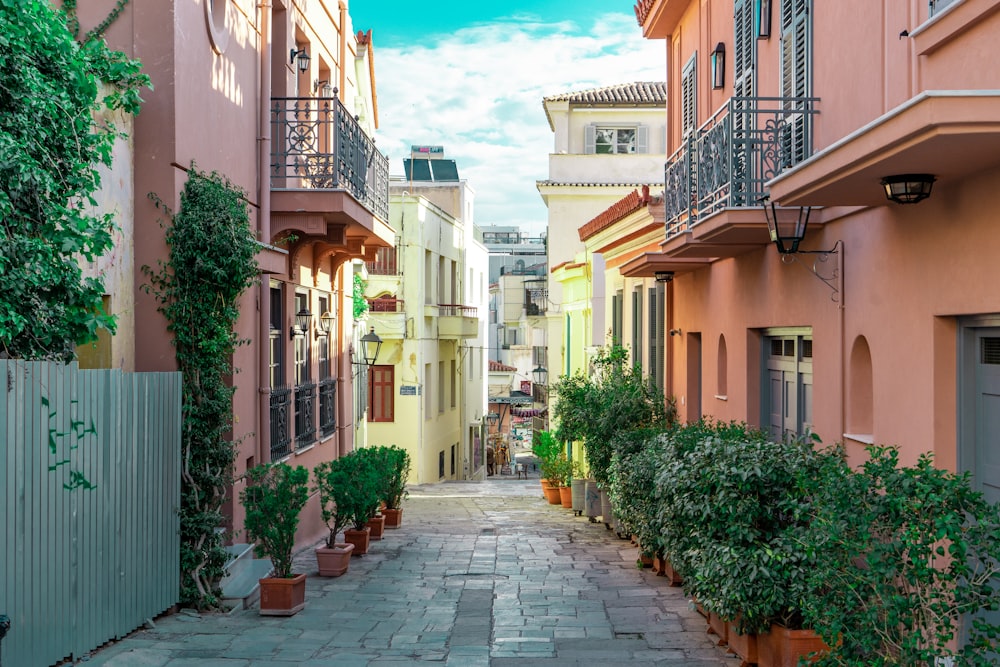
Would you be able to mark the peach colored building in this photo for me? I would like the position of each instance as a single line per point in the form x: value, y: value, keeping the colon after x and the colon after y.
x: 892, y: 335
x: 278, y: 96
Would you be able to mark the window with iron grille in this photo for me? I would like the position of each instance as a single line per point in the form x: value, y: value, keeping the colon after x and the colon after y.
x: 280, y: 407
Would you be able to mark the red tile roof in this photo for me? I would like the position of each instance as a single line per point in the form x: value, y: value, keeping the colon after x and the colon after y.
x: 630, y: 203
x: 497, y: 366
x: 639, y: 92
x: 642, y: 9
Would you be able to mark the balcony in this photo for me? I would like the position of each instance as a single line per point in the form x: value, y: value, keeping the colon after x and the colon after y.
x: 536, y: 299
x: 328, y: 181
x: 388, y: 316
x: 715, y: 181
x: 456, y: 321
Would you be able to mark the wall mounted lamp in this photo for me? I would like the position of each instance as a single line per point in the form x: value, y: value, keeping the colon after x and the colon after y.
x: 664, y: 276
x: 676, y: 332
x: 787, y: 242
x: 302, y: 56
x: 301, y: 326
x: 370, y: 346
x: 492, y: 418
x: 323, y: 87
x: 719, y: 66
x: 908, y: 188
x: 324, y: 325
x: 762, y: 18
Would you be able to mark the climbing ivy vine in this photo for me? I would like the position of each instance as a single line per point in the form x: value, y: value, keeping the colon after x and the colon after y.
x: 211, y: 263
x: 51, y: 148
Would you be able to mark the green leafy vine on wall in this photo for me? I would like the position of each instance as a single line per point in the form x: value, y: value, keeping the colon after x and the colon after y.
x: 211, y: 263
x: 358, y: 294
x: 51, y: 149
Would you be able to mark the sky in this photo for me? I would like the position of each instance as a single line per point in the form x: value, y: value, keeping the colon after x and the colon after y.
x: 470, y: 76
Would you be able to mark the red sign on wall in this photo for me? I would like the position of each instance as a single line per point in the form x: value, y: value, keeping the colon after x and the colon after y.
x: 526, y: 386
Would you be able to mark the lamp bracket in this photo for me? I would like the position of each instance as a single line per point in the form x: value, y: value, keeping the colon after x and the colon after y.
x: 831, y: 277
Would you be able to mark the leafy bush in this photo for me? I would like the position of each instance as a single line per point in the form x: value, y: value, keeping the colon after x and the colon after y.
x: 902, y: 555
x: 632, y: 485
x: 546, y: 449
x: 366, y: 484
x: 616, y: 397
x: 273, y: 498
x: 393, y: 465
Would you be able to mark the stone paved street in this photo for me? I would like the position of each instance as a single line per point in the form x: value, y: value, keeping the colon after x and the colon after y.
x: 480, y: 575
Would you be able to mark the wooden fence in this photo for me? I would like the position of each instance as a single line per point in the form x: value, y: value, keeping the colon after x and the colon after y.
x: 89, y: 492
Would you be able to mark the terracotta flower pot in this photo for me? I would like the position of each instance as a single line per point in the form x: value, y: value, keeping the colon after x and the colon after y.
x: 282, y: 597
x: 393, y: 517
x: 334, y: 561
x: 377, y: 526
x: 782, y: 647
x: 566, y: 496
x: 359, y: 538
x: 645, y: 559
x: 552, y: 494
x: 663, y: 568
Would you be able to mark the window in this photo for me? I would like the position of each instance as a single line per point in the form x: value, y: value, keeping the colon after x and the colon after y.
x: 689, y: 94
x: 787, y: 401
x: 616, y: 317
x: 610, y: 140
x: 722, y: 369
x: 656, y: 333
x: 441, y: 386
x: 937, y: 6
x: 381, y: 394
x: 277, y: 352
x: 453, y: 381
x: 744, y: 52
x: 428, y: 393
x: 441, y: 464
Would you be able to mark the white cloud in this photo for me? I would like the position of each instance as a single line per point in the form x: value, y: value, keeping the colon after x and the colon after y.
x: 478, y: 92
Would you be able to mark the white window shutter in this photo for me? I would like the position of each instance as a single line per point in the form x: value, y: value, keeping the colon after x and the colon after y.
x: 589, y: 139
x: 642, y: 139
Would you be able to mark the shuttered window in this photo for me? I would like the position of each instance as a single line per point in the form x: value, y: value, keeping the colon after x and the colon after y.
x: 689, y: 95
x: 381, y: 383
x: 637, y: 327
x: 744, y: 52
x: 615, y: 140
x: 796, y: 68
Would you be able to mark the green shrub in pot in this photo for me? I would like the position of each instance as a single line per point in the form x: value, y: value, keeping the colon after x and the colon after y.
x: 632, y: 482
x: 905, y: 555
x: 273, y: 498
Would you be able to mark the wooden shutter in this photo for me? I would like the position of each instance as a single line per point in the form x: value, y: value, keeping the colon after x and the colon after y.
x: 796, y: 65
x: 637, y: 327
x: 689, y: 94
x: 590, y: 139
x: 651, y: 339
x: 744, y: 51
x: 381, y: 385
x: 642, y: 139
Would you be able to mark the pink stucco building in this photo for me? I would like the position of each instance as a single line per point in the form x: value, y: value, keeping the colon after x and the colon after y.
x: 892, y: 334
x: 279, y: 97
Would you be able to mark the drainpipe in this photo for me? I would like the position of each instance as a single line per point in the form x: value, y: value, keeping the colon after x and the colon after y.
x: 264, y: 187
x: 343, y: 49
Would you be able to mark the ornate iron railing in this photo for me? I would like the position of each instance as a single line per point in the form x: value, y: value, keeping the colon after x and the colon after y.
x: 281, y: 442
x: 318, y: 144
x: 386, y: 305
x: 305, y: 424
x: 731, y: 157
x: 386, y: 262
x: 327, y: 407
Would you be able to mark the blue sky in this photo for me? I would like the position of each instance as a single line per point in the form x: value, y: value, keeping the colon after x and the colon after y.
x: 470, y: 76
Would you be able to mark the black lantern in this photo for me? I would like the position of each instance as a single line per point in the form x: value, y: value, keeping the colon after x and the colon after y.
x: 302, y: 56
x: 370, y: 346
x: 301, y: 326
x: 541, y: 374
x: 719, y: 66
x: 664, y: 276
x: 787, y: 243
x: 492, y: 418
x: 908, y: 188
x: 762, y: 18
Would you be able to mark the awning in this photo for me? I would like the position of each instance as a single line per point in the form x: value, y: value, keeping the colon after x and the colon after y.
x: 528, y: 412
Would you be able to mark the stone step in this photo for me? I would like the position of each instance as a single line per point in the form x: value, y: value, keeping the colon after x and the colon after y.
x: 240, y: 589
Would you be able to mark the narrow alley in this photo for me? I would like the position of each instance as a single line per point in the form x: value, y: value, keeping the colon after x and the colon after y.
x: 479, y: 574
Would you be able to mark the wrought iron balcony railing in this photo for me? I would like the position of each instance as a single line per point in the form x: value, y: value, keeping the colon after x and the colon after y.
x: 386, y: 305
x: 281, y: 442
x: 456, y: 310
x: 327, y: 407
x: 386, y: 262
x: 730, y: 159
x: 305, y: 424
x: 318, y: 144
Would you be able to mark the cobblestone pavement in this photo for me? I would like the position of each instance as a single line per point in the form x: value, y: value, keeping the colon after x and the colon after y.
x: 480, y: 575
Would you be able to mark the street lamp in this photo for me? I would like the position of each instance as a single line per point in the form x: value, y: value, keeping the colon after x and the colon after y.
x: 541, y: 375
x: 370, y: 346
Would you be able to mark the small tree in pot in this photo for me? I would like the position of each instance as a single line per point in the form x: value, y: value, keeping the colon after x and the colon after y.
x: 363, y: 501
x: 273, y: 499
x: 336, y: 491
x: 394, y: 470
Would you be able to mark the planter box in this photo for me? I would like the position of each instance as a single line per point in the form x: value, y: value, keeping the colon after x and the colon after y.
x: 718, y: 627
x: 591, y: 499
x: 782, y: 647
x: 377, y: 526
x: 334, y: 561
x: 744, y: 646
x: 566, y: 497
x: 578, y: 493
x: 282, y: 597
x: 359, y: 538
x: 552, y: 495
x: 393, y: 517
x: 663, y: 568
x: 606, y: 512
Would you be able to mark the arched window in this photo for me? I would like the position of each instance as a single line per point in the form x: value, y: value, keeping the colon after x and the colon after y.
x: 722, y: 382
x: 860, y: 395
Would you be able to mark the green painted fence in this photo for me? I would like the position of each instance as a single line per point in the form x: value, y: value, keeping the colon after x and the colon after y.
x: 90, y: 481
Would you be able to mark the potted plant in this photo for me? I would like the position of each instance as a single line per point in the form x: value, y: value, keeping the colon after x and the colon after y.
x: 395, y: 474
x: 336, y: 490
x: 273, y: 499
x: 546, y: 449
x: 364, y: 500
